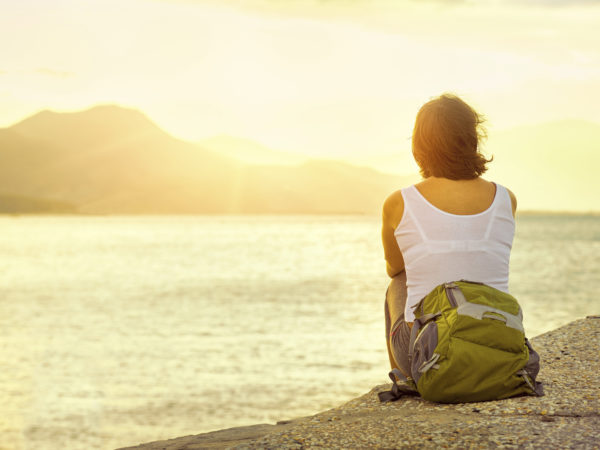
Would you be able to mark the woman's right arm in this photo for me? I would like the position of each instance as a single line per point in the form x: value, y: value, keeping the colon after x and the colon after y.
x: 393, y: 208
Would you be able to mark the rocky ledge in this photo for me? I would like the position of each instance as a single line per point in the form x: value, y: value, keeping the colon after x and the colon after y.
x: 568, y: 416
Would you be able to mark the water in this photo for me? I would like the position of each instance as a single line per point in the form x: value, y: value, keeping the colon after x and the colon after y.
x: 121, y: 330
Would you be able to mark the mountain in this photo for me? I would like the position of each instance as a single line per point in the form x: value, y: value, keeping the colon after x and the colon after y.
x: 26, y: 205
x: 110, y: 160
x: 91, y: 128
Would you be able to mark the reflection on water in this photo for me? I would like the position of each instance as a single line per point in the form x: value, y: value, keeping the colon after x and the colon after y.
x: 120, y: 330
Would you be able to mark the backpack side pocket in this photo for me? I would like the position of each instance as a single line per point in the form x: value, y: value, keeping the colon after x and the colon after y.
x: 423, y: 350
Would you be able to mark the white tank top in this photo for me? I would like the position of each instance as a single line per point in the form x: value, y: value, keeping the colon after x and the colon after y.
x: 439, y: 247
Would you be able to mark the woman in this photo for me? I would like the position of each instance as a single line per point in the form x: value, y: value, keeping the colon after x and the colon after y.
x: 452, y: 225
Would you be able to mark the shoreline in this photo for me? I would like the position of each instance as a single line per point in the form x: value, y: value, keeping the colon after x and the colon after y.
x: 567, y: 416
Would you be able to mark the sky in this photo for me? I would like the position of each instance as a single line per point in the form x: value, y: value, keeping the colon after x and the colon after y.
x: 328, y: 78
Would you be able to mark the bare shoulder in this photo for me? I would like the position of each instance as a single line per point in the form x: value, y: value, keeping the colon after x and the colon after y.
x: 393, y: 201
x: 513, y: 200
x: 393, y: 208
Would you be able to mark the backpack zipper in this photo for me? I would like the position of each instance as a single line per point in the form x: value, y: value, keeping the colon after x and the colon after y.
x: 473, y: 282
x: 421, y: 333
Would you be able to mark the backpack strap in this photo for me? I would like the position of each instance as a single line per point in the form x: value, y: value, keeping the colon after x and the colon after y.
x: 397, y: 390
x: 535, y: 386
x: 464, y: 307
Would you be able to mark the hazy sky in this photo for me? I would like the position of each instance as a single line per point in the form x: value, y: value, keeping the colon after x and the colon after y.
x: 329, y: 78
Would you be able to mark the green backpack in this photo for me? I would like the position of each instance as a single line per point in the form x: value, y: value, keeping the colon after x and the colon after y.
x: 467, y: 344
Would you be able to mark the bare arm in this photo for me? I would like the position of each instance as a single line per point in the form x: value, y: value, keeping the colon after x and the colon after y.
x: 393, y: 208
x: 513, y: 200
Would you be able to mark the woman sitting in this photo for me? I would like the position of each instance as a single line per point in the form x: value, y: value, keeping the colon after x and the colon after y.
x: 452, y: 225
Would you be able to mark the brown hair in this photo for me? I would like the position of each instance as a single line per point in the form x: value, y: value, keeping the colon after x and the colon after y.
x: 446, y: 139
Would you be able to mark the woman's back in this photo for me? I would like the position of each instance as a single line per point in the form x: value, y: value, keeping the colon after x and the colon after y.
x: 460, y: 197
x: 459, y: 232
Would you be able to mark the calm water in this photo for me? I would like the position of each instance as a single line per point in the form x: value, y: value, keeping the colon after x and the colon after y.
x: 121, y: 330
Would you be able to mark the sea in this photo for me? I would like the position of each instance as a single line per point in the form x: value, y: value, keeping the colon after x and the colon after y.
x: 119, y: 330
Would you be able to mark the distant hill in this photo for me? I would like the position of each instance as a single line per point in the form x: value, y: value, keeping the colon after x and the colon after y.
x: 110, y: 159
x: 26, y: 205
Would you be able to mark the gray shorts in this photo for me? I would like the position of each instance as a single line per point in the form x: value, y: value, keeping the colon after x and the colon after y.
x: 398, y: 333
